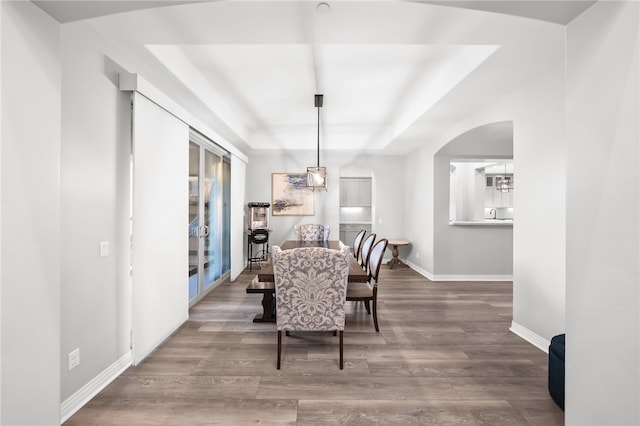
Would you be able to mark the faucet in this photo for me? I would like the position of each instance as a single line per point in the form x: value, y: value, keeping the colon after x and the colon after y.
x: 494, y: 213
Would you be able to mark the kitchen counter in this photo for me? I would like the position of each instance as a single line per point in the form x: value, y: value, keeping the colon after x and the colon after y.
x: 486, y: 222
x: 349, y: 229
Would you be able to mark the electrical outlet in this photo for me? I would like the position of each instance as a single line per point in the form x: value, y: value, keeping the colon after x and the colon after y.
x: 74, y: 358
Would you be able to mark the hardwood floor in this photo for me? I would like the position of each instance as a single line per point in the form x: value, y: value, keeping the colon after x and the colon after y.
x: 444, y: 356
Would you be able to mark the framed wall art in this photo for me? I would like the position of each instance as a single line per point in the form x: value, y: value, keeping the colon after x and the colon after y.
x: 290, y: 195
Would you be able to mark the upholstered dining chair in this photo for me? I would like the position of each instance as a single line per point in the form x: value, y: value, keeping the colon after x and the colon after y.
x: 311, y: 232
x: 357, y: 244
x: 368, y: 292
x: 311, y: 291
x: 365, y: 250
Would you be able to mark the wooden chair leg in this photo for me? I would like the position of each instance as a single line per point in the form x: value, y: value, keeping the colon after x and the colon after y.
x: 367, y: 305
x: 279, y: 347
x: 335, y: 332
x: 375, y: 314
x: 341, y: 351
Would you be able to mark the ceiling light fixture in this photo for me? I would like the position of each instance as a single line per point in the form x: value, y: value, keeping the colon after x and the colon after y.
x: 323, y: 8
x: 317, y: 176
x: 505, y: 184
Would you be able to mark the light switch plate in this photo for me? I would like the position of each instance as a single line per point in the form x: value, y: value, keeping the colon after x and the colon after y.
x: 104, y: 248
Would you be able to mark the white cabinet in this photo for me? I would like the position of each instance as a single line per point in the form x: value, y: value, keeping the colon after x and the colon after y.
x: 495, y: 199
x: 488, y: 196
x: 506, y: 199
x: 349, y: 189
x: 364, y: 193
x: 348, y: 232
x: 355, y: 192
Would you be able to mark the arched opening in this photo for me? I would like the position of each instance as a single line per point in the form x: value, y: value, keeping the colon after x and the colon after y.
x: 473, y: 230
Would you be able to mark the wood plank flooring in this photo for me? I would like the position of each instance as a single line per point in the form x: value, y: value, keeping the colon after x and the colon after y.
x: 444, y: 356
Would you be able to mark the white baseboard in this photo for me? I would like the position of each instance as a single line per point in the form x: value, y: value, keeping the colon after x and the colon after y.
x: 91, y: 389
x: 428, y: 275
x: 505, y: 278
x: 531, y: 337
x: 443, y: 277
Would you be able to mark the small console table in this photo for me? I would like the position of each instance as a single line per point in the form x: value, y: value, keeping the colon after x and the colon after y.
x: 394, y: 244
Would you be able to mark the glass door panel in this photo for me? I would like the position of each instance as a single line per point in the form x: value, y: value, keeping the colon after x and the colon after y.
x: 209, y: 216
x: 226, y: 214
x: 212, y: 217
x: 194, y: 219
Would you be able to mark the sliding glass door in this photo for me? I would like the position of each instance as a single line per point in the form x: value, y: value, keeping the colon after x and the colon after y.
x: 209, y: 215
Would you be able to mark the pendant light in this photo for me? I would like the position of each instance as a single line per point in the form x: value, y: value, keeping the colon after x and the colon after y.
x: 505, y: 184
x: 317, y: 176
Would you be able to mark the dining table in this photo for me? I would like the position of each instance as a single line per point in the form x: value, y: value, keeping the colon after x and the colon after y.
x: 264, y: 281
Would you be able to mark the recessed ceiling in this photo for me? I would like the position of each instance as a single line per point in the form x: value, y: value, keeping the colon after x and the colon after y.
x: 391, y: 71
x: 372, y: 92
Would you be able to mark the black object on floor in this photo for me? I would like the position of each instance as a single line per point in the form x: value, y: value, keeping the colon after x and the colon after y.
x: 556, y: 369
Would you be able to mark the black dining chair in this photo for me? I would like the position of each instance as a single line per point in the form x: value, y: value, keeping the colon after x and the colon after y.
x: 367, y: 292
x: 364, y: 252
x: 357, y: 244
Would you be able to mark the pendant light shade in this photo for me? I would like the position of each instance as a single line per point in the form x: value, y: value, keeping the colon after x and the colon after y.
x: 317, y: 176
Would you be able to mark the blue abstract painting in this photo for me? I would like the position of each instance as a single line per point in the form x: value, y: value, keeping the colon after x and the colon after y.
x: 290, y: 195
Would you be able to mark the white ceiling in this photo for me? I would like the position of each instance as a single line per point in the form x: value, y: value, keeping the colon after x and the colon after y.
x: 392, y: 72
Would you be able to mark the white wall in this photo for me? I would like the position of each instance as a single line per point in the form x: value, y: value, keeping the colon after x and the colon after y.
x: 418, y: 208
x: 603, y: 291
x: 537, y: 112
x: 540, y: 225
x: 96, y: 190
x: 387, y: 189
x: 96, y: 291
x: 30, y: 199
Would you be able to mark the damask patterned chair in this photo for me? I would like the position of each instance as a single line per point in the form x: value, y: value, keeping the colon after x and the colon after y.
x: 311, y: 232
x: 368, y: 292
x: 311, y: 291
